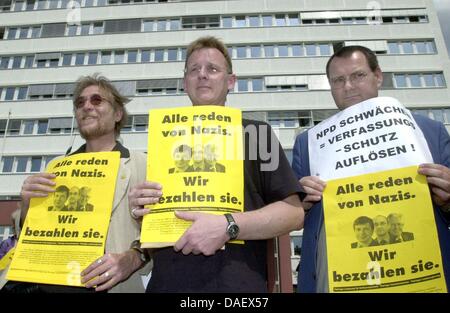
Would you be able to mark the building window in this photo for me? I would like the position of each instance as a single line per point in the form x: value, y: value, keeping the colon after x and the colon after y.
x: 10, y: 91
x: 18, y: 6
x: 14, y: 127
x: 200, y: 22
x: 21, y: 166
x: 12, y: 33
x: 41, y: 63
x: 67, y: 59
x: 172, y: 55
x: 147, y: 26
x: 85, y: 29
x: 240, y: 21
x: 106, y: 57
x: 267, y: 20
x: 419, y: 80
x: 407, y: 47
x: 28, y: 127
x: 36, y: 32
x: 72, y: 30
x: 159, y: 55
x: 79, y: 59
x: 257, y: 84
x: 128, y: 124
x: 393, y: 48
x: 280, y: 20
x: 421, y: 47
x: 42, y: 126
x: 311, y: 50
x: 16, y: 62
x: 36, y: 163
x: 92, y: 58
x: 255, y: 51
x: 241, y: 52
x: 429, y: 80
x: 254, y: 21
x: 242, y: 85
x: 2, y: 127
x: 269, y: 51
x: 145, y: 56
x: 414, y: 81
x: 325, y: 49
x: 297, y: 50
x: 23, y: 32
x: 132, y: 56
x: 293, y: 19
x: 400, y: 80
x: 297, y: 245
x: 30, y: 5
x: 42, y: 4
x: 7, y: 164
x: 140, y: 122
x: 227, y: 22
x: 175, y: 24
x: 29, y: 61
x: 119, y: 57
x: 98, y: 28
x: 53, y: 4
x: 22, y: 93
x: 4, y: 61
x: 283, y: 51
x: 439, y: 80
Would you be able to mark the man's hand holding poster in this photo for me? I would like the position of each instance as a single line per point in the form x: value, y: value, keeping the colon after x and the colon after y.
x: 379, y: 222
x: 66, y: 231
x: 196, y: 154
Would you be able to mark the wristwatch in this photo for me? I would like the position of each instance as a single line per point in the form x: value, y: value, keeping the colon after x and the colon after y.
x: 232, y: 228
x: 135, y: 245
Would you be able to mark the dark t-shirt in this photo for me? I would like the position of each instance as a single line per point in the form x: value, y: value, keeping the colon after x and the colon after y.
x: 238, y: 268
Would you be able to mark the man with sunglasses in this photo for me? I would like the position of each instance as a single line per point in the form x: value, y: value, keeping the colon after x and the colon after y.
x: 100, y: 113
x: 197, y: 262
x: 355, y: 76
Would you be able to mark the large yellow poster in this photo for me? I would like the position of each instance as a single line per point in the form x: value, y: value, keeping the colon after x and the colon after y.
x: 66, y: 231
x: 381, y: 234
x: 196, y: 155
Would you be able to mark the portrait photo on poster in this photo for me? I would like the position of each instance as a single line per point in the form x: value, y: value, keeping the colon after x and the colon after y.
x: 74, y: 198
x: 380, y: 230
x: 200, y: 158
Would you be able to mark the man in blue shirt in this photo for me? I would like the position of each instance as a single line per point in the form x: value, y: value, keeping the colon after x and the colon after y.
x: 355, y: 76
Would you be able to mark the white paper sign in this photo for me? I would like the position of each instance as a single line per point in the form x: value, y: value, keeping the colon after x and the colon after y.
x: 375, y: 135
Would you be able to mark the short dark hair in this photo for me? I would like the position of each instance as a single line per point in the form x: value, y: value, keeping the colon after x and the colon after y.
x: 209, y: 42
x: 104, y: 84
x: 363, y: 220
x: 62, y: 188
x: 183, y: 148
x: 347, y: 51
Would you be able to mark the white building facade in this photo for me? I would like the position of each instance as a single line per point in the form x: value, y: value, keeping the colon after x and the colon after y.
x: 279, y: 50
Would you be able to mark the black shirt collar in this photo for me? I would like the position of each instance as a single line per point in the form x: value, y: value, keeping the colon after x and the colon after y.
x: 124, y: 152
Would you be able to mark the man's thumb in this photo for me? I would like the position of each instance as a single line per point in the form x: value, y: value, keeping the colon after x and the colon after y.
x: 187, y: 216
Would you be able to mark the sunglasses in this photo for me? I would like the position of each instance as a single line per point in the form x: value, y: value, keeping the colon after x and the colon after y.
x: 94, y: 99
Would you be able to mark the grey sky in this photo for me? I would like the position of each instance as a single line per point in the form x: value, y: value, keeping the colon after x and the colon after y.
x: 443, y: 11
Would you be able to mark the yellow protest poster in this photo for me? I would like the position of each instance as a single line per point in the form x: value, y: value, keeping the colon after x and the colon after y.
x: 66, y: 231
x: 196, y: 154
x: 381, y: 234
